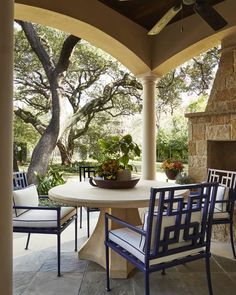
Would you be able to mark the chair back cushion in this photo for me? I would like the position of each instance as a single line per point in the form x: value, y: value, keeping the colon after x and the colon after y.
x: 178, y: 226
x: 25, y: 197
x: 227, y: 183
x: 169, y: 221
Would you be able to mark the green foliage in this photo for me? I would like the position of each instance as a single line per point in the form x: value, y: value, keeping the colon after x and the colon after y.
x: 45, y: 183
x: 173, y: 143
x: 115, y: 153
x: 198, y: 105
x: 24, y: 132
x: 120, y: 148
x: 183, y: 178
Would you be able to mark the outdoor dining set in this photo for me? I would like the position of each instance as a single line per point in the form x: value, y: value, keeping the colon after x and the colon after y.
x: 175, y: 228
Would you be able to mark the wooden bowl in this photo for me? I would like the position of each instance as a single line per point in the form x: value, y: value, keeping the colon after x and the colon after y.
x: 114, y: 184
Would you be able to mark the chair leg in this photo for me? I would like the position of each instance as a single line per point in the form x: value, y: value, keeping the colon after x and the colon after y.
x: 147, y: 283
x: 208, y: 272
x: 232, y: 238
x: 58, y: 254
x: 88, y: 223
x: 27, y: 242
x: 80, y: 217
x: 163, y: 272
x: 76, y: 229
x: 107, y: 269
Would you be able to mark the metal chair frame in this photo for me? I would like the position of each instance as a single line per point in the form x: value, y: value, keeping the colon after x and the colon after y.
x: 20, y: 182
x: 197, y: 234
x: 227, y: 179
x: 86, y: 171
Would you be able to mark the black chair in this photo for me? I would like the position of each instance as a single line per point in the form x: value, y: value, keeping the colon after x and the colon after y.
x: 85, y: 172
x: 225, y: 199
x: 175, y: 234
x: 30, y: 218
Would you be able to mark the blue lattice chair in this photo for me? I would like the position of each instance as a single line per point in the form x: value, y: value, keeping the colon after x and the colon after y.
x: 225, y: 199
x: 29, y: 217
x: 177, y: 233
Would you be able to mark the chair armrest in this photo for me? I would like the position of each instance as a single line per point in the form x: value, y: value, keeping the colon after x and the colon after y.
x: 124, y: 223
x: 43, y: 197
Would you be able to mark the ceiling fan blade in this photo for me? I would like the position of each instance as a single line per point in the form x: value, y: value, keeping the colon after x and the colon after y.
x: 209, y: 15
x: 165, y: 20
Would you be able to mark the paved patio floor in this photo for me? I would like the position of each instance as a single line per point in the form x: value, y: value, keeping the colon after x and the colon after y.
x: 35, y: 271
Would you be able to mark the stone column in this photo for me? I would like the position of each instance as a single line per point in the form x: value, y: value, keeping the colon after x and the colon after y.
x: 6, y: 111
x: 149, y: 126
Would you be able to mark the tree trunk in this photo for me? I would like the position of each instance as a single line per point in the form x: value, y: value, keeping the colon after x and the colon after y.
x: 15, y: 158
x: 42, y: 152
x: 66, y: 154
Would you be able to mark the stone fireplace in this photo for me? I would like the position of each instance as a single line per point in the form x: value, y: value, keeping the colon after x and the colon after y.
x: 212, y: 134
x: 212, y: 142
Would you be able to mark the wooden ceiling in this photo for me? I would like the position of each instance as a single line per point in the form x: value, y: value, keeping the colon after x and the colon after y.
x: 147, y: 12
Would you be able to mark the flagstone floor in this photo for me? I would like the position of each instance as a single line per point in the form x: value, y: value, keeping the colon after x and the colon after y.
x: 35, y: 271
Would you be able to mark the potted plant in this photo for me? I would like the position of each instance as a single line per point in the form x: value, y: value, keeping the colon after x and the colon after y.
x: 115, y: 154
x: 172, y: 168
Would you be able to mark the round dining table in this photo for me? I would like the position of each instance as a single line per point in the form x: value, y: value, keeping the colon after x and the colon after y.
x: 122, y: 203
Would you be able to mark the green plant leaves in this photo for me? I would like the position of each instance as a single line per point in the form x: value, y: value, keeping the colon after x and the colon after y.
x: 46, y: 182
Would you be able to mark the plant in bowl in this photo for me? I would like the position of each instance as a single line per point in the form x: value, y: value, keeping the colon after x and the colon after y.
x: 172, y: 168
x: 115, y: 154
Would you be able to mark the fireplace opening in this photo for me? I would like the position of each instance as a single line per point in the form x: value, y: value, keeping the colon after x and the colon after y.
x: 221, y: 154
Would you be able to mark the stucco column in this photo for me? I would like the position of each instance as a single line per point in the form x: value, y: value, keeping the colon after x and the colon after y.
x: 149, y: 126
x: 6, y: 109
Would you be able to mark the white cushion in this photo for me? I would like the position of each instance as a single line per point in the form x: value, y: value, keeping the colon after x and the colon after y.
x: 221, y: 195
x: 25, y: 197
x: 130, y: 241
x: 220, y: 215
x: 42, y: 218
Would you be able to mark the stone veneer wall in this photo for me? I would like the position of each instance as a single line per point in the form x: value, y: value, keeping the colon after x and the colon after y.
x: 203, y: 127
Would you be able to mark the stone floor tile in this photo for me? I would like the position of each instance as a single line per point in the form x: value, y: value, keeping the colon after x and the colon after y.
x: 228, y: 265
x: 169, y: 284
x: 48, y: 283
x: 94, y: 282
x: 31, y: 261
x: 69, y: 263
x: 21, y: 281
x: 199, y: 266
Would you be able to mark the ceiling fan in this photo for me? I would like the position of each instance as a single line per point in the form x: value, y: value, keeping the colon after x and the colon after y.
x: 201, y: 7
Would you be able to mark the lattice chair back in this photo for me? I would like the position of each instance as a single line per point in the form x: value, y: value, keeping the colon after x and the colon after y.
x: 225, y: 199
x: 226, y: 189
x: 19, y: 180
x: 177, y: 226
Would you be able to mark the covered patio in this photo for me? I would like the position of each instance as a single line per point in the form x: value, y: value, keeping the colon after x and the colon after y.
x: 35, y: 271
x: 124, y: 36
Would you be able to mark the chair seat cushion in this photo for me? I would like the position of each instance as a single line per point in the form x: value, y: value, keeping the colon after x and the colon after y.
x: 43, y: 218
x: 221, y: 215
x: 130, y: 241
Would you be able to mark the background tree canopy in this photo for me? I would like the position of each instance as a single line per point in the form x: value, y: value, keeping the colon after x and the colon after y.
x: 72, y: 94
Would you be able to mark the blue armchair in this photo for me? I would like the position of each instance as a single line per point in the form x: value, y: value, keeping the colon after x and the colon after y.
x: 174, y: 234
x: 29, y: 218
